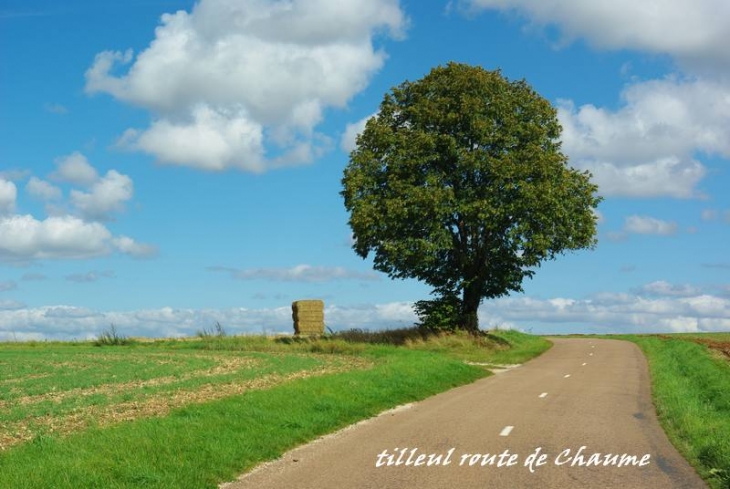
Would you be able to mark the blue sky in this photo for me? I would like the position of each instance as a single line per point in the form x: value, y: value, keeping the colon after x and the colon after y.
x: 168, y: 164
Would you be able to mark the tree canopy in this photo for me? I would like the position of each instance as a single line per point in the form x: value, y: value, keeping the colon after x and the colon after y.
x: 459, y: 181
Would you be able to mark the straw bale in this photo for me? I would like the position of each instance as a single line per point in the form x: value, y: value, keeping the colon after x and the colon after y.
x: 308, y: 316
x: 307, y: 305
x: 309, y: 324
x: 309, y: 327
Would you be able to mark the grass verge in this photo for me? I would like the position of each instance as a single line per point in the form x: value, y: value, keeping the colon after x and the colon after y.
x: 691, y: 390
x: 203, y: 444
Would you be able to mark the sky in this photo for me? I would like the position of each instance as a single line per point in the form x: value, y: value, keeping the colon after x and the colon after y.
x: 166, y: 165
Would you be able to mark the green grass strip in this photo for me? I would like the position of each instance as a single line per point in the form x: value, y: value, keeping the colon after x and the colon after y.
x: 691, y: 390
x: 202, y: 445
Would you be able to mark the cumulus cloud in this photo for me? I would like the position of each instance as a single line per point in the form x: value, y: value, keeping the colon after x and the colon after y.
x: 649, y: 225
x: 209, y: 139
x: 8, y: 194
x: 76, y: 169
x: 244, y: 83
x: 106, y: 196
x: 298, y: 273
x: 128, y: 246
x: 615, y: 313
x: 352, y: 131
x: 646, y: 148
x: 68, y: 322
x: 650, y: 145
x: 40, y: 189
x: 73, y: 229
x: 692, y: 31
x: 23, y: 238
x: 665, y: 310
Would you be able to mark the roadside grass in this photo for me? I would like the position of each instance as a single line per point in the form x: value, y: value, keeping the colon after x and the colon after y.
x: 497, y: 347
x: 691, y: 390
x: 317, y: 386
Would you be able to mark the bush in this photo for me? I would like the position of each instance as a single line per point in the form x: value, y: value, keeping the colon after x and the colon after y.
x: 441, y: 314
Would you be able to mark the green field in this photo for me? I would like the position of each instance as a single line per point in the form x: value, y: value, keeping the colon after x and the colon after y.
x: 199, y: 412
x: 691, y: 389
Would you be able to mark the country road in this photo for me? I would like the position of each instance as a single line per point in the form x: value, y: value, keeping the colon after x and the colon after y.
x: 579, y: 416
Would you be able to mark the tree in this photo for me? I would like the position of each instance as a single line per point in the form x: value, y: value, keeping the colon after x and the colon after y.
x: 459, y: 181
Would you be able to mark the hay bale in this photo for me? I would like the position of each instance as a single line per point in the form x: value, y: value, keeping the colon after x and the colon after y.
x: 307, y: 305
x: 308, y: 317
x: 309, y: 327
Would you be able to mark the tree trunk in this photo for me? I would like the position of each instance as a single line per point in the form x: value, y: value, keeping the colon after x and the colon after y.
x: 470, y: 305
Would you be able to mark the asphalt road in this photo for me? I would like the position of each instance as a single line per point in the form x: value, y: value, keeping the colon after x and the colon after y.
x: 582, y: 398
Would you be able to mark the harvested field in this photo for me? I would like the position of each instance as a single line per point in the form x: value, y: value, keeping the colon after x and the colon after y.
x: 58, y: 390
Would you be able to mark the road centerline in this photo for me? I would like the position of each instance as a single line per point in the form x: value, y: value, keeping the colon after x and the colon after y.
x: 506, y: 431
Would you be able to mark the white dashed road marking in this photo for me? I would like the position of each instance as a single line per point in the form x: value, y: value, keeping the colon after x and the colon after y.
x: 543, y: 394
x: 566, y: 375
x: 506, y: 431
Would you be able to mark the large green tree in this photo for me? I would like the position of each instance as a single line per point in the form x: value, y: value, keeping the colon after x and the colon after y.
x: 459, y: 181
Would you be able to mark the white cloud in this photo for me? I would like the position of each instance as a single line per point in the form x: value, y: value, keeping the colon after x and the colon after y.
x: 606, y: 313
x: 128, y: 246
x: 68, y: 322
x: 298, y: 273
x: 232, y: 80
x: 40, y: 189
x: 650, y: 146
x: 663, y: 288
x: 8, y: 194
x: 23, y: 238
x: 352, y: 131
x: 106, y: 196
x: 649, y: 225
x: 614, y: 313
x: 64, y: 234
x: 709, y: 214
x: 663, y: 178
x: 208, y: 140
x: 370, y: 316
x: 692, y: 31
x: 75, y: 168
x: 646, y: 148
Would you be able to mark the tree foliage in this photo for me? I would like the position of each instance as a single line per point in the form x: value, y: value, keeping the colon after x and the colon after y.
x: 459, y: 181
